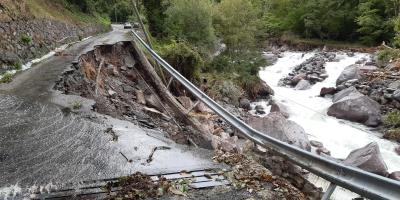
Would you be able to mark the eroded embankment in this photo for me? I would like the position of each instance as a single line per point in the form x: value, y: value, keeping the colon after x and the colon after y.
x: 124, y: 85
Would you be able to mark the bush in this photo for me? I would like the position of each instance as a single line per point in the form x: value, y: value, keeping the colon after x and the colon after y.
x: 183, y: 57
x: 17, y: 66
x: 7, y: 78
x: 229, y: 89
x: 386, y: 55
x: 26, y: 39
x: 392, y: 119
x: 236, y: 21
x: 242, y: 68
x: 243, y: 63
x: 191, y: 20
x: 76, y: 105
x: 392, y: 134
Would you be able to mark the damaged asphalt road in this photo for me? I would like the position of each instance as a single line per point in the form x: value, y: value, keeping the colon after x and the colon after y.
x: 43, y: 143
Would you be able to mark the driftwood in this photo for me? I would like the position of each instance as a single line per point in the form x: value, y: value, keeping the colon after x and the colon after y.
x: 203, y: 138
x: 150, y: 158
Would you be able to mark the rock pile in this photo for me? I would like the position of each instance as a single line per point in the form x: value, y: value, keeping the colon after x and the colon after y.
x: 309, y: 72
x: 380, y: 85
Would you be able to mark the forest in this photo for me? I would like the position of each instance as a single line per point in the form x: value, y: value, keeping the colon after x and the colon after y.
x: 189, y: 32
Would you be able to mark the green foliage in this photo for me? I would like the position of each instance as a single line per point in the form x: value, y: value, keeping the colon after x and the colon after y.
x: 386, y: 55
x: 392, y: 119
x: 190, y: 20
x: 7, y: 78
x: 236, y: 22
x: 121, y: 11
x: 243, y: 63
x: 17, y: 66
x: 154, y: 10
x: 374, y: 24
x: 76, y: 105
x: 115, y: 10
x: 183, y: 57
x: 241, y: 68
x: 396, y: 23
x: 370, y: 21
x: 229, y: 89
x: 392, y: 134
x: 26, y: 39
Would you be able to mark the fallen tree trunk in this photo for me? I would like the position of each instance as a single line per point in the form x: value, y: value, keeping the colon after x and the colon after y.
x: 201, y: 136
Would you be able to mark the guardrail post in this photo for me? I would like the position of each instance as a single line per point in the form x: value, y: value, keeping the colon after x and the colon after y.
x: 329, y: 191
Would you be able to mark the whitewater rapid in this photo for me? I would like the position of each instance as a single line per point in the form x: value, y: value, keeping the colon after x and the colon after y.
x: 309, y: 110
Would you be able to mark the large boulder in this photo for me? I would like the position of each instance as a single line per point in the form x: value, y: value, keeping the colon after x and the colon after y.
x: 349, y: 73
x: 303, y: 85
x: 327, y: 91
x: 245, y: 103
x: 351, y: 105
x: 397, y: 150
x: 277, y: 126
x: 265, y: 90
x: 351, y: 91
x: 280, y: 108
x: 368, y: 158
x: 395, y: 176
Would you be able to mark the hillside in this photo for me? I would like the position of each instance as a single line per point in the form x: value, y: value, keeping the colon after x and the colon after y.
x: 31, y: 28
x: 58, y: 10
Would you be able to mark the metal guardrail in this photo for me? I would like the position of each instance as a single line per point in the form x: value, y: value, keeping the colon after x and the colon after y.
x: 366, y: 184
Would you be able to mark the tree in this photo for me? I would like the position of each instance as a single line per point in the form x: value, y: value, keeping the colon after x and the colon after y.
x: 190, y: 20
x: 236, y: 23
x: 374, y: 24
x: 154, y: 10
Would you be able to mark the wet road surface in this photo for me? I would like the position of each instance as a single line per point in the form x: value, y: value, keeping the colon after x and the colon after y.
x: 40, y: 143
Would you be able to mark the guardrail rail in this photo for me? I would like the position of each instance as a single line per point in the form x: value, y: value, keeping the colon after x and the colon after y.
x: 364, y: 183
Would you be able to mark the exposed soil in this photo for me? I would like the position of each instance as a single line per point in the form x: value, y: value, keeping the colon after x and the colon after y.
x: 112, y: 77
x: 109, y: 75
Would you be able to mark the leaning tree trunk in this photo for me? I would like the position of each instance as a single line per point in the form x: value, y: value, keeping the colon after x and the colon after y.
x: 203, y: 136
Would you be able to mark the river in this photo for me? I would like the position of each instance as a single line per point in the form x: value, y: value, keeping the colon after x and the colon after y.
x: 309, y: 110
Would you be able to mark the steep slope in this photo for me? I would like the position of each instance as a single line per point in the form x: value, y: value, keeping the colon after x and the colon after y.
x: 31, y: 28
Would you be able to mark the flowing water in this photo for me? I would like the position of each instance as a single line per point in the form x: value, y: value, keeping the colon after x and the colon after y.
x: 309, y: 110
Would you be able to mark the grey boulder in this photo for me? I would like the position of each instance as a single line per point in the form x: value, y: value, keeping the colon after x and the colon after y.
x: 244, y: 103
x: 349, y: 73
x: 368, y: 158
x: 280, y: 108
x: 277, y: 126
x: 303, y: 85
x: 349, y: 104
x: 395, y: 176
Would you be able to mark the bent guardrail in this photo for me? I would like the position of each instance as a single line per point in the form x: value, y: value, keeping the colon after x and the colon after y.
x: 356, y: 180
